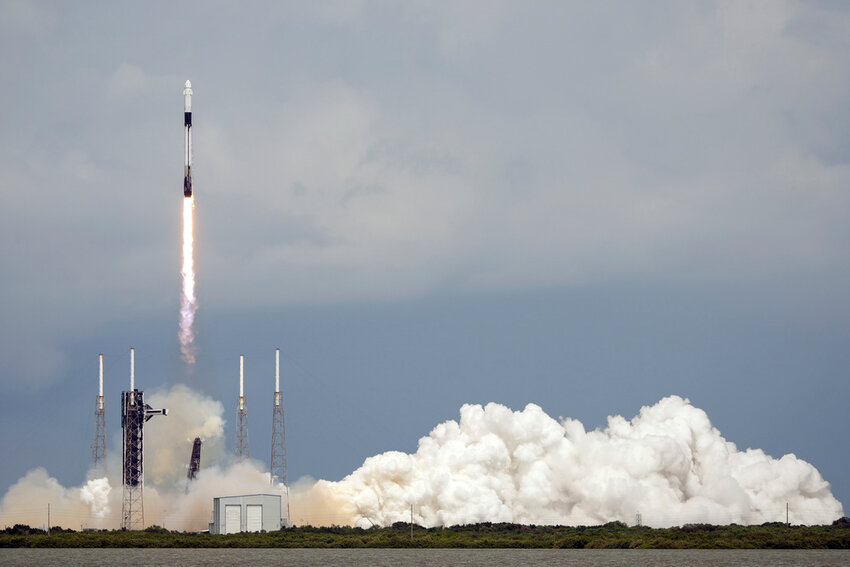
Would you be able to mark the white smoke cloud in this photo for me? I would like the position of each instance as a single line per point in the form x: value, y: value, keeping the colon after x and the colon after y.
x: 168, y: 500
x: 193, y: 510
x: 668, y: 464
x: 168, y: 440
x: 26, y: 502
x: 95, y: 493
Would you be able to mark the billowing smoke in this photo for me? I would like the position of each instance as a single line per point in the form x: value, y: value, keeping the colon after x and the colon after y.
x: 168, y: 440
x: 188, y: 302
x: 168, y: 499
x: 26, y: 502
x: 95, y: 493
x: 668, y: 466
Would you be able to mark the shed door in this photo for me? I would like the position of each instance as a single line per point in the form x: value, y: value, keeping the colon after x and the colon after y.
x: 232, y: 519
x: 254, y: 517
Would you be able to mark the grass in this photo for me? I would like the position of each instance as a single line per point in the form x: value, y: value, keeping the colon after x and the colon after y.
x: 614, y: 535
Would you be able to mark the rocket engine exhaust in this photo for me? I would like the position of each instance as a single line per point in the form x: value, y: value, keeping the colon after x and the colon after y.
x: 188, y: 301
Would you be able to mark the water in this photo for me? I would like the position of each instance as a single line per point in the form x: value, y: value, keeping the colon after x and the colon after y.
x: 425, y: 557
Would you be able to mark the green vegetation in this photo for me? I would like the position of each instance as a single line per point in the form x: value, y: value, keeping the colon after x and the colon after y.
x: 614, y: 535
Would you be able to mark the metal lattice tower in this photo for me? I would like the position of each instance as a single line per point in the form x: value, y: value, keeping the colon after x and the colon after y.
x: 132, y: 509
x: 134, y: 413
x: 242, y: 451
x: 278, y: 460
x: 98, y: 448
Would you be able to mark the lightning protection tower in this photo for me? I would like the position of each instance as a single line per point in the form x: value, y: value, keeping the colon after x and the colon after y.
x: 98, y: 448
x: 278, y: 460
x: 134, y: 413
x: 242, y: 450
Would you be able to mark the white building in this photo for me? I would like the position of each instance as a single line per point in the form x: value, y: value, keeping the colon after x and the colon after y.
x: 248, y: 513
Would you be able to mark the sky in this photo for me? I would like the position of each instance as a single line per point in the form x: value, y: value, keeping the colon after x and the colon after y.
x: 583, y: 205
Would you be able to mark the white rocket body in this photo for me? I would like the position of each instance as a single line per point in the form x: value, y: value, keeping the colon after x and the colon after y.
x: 187, y: 139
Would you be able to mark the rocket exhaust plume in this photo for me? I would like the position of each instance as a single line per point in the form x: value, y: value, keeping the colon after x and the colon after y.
x: 188, y: 301
x: 668, y: 464
x: 494, y: 464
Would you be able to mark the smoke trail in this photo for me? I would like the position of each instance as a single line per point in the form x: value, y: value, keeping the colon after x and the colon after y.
x: 188, y: 302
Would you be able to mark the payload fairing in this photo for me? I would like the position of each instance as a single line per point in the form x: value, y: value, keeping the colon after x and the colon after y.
x: 187, y: 126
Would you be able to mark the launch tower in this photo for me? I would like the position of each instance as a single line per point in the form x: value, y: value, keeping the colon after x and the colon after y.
x: 278, y: 460
x: 242, y: 450
x: 98, y: 448
x: 134, y: 413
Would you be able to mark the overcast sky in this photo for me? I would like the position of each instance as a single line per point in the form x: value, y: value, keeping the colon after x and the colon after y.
x: 587, y: 206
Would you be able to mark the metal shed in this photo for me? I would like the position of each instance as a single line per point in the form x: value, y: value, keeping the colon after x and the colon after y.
x: 247, y: 513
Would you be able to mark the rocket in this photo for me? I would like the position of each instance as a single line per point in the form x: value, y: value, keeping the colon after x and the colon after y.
x: 187, y: 139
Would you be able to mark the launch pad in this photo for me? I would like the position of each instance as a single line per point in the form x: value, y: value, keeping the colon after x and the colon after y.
x: 134, y: 414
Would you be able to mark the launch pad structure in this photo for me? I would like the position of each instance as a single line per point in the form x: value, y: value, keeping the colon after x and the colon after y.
x: 134, y: 414
x: 194, y: 463
x: 194, y: 459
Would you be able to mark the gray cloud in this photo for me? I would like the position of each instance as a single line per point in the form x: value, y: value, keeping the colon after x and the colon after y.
x: 527, y: 148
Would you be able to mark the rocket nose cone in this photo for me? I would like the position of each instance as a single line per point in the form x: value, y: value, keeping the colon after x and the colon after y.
x: 188, y: 84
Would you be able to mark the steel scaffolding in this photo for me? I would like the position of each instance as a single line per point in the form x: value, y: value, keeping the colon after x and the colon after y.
x: 134, y: 413
x: 278, y: 458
